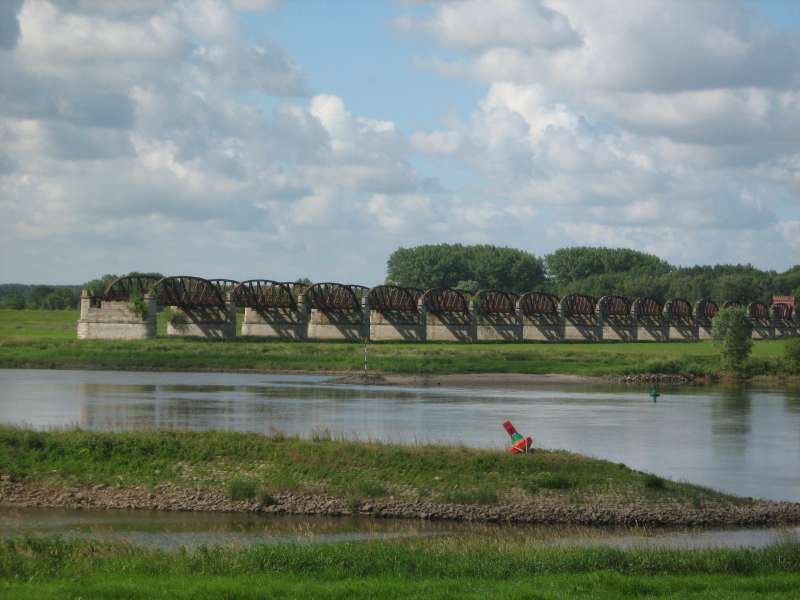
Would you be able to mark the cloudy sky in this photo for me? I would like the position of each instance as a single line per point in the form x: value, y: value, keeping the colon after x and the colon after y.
x: 280, y: 139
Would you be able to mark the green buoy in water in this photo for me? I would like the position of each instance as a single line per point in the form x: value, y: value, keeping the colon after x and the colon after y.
x: 654, y: 393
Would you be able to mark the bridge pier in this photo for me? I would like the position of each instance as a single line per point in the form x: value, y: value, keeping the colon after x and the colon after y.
x: 115, y: 319
x: 203, y: 321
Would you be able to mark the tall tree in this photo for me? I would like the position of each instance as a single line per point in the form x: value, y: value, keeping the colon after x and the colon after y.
x: 445, y: 265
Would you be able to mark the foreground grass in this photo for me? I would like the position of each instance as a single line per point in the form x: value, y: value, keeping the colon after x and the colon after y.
x: 438, y: 568
x: 252, y: 466
x: 46, y: 339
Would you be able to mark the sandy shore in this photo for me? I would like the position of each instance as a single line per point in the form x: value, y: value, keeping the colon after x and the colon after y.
x: 471, y: 380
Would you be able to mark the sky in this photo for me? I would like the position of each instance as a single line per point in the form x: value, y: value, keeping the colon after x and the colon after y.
x: 281, y: 139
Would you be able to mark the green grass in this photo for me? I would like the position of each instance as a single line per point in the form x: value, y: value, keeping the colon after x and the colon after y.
x: 432, y: 568
x: 247, y: 465
x: 46, y: 339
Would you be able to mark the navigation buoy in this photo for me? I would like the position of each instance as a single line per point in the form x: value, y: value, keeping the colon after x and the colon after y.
x: 654, y: 393
x: 519, y: 444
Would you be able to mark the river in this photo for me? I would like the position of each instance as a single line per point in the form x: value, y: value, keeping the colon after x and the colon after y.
x: 741, y: 440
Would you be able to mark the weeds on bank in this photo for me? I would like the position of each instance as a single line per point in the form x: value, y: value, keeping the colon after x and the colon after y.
x: 249, y: 465
x: 30, y: 558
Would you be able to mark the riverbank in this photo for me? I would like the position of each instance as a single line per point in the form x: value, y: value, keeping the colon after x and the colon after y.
x: 447, y: 567
x: 46, y: 339
x: 214, y: 471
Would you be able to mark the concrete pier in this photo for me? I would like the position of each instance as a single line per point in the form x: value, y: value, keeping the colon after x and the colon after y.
x: 206, y: 322
x: 114, y: 319
x: 275, y: 323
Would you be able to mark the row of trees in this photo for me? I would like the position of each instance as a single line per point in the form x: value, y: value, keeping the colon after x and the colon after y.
x: 588, y: 270
x: 594, y: 271
x: 47, y: 297
x: 19, y: 296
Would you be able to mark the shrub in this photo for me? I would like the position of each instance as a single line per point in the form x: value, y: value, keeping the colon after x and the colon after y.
x: 733, y: 334
x: 173, y: 317
x: 549, y: 481
x: 654, y: 482
x: 556, y: 482
x: 242, y: 488
x: 791, y: 352
x: 475, y: 496
x: 137, y: 305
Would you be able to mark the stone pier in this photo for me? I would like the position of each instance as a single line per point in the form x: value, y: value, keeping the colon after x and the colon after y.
x: 206, y: 322
x: 275, y: 323
x: 396, y: 326
x: 337, y: 324
x: 115, y: 319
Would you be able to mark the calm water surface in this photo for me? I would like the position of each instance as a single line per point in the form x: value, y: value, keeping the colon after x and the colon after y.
x: 745, y: 441
x: 172, y: 530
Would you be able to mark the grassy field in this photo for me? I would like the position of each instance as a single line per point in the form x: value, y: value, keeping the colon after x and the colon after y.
x: 433, y: 568
x: 46, y: 339
x: 253, y: 465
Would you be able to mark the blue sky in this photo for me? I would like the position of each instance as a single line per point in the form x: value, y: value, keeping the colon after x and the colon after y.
x: 260, y: 138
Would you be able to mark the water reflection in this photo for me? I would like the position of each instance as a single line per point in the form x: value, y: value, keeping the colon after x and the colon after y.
x: 738, y: 439
x: 172, y: 530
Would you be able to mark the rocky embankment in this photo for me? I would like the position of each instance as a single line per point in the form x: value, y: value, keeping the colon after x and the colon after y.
x: 653, y: 378
x: 546, y: 511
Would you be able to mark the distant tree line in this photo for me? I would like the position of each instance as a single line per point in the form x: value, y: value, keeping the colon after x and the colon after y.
x: 20, y: 296
x: 588, y: 270
x: 47, y: 297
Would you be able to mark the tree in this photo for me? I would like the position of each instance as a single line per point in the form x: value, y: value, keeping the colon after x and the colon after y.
x: 13, y: 301
x: 445, y: 265
x: 733, y: 333
x: 569, y: 265
x: 97, y: 286
x: 791, y: 352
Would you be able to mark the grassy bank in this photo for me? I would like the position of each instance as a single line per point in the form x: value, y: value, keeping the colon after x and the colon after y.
x: 46, y: 339
x: 439, y: 568
x: 252, y: 466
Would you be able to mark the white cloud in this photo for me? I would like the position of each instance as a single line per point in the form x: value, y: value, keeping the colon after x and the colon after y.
x: 127, y: 134
x: 397, y: 213
x: 649, y: 121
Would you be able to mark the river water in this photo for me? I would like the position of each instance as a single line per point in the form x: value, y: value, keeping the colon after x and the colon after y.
x: 172, y: 530
x: 741, y: 440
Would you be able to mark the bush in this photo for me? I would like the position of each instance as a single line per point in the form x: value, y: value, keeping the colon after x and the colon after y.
x: 654, y: 482
x: 242, y: 488
x: 137, y: 305
x: 733, y: 334
x: 791, y: 352
x: 550, y: 481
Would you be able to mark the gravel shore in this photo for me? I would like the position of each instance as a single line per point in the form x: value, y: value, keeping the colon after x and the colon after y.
x: 546, y: 511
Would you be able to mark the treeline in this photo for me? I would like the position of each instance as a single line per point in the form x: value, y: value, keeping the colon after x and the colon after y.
x: 594, y: 271
x: 19, y: 296
x: 47, y: 297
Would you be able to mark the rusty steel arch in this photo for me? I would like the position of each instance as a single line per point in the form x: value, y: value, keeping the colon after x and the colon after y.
x: 757, y: 311
x: 188, y: 292
x: 614, y: 306
x: 262, y: 294
x: 678, y: 308
x: 781, y: 311
x: 705, y: 309
x: 538, y: 303
x: 334, y: 296
x: 388, y: 298
x: 224, y: 286
x: 645, y: 306
x: 445, y: 300
x: 123, y: 287
x: 493, y: 302
x: 577, y: 305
